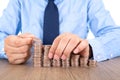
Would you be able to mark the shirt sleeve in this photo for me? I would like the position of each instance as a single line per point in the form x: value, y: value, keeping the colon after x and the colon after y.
x: 2, y: 53
x: 9, y: 23
x: 106, y: 43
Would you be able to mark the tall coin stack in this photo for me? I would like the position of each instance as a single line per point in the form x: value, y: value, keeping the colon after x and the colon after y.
x: 37, y: 56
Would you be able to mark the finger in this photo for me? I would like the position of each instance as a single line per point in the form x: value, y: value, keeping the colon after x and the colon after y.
x: 19, y: 61
x: 13, y: 57
x: 18, y: 41
x: 61, y: 47
x: 85, y: 53
x: 54, y: 46
x: 71, y: 45
x: 23, y: 60
x: 83, y: 44
x: 28, y: 55
x: 22, y: 49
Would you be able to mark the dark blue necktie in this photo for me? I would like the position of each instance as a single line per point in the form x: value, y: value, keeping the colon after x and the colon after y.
x: 51, y: 23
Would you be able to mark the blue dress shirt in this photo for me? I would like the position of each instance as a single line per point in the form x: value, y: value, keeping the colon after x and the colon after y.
x: 75, y: 16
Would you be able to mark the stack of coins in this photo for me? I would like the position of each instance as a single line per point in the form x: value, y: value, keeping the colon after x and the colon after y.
x: 46, y: 61
x: 75, y: 60
x: 66, y: 63
x: 92, y: 63
x: 37, y: 57
x: 83, y: 62
x: 56, y: 63
x: 40, y: 58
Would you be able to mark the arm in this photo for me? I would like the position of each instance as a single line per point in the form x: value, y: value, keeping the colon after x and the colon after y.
x: 106, y: 44
x: 9, y: 23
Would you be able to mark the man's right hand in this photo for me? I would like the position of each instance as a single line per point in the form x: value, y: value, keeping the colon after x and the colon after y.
x: 17, y: 48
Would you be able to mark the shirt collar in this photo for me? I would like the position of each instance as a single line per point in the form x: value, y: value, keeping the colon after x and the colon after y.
x: 56, y: 1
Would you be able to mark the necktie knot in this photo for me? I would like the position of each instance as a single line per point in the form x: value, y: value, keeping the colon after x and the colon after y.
x: 51, y: 0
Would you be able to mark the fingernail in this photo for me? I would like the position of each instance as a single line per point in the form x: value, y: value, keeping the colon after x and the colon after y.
x: 76, y: 51
x: 56, y: 57
x: 50, y: 55
x: 63, y: 57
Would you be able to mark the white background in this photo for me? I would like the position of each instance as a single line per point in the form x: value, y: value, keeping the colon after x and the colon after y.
x: 112, y: 5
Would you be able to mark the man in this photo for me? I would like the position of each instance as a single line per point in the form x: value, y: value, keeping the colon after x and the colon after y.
x: 75, y: 19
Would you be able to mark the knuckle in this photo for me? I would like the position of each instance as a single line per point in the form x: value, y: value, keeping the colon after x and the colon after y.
x: 56, y: 40
x: 25, y: 55
x: 52, y: 50
x: 24, y: 48
x: 11, y: 59
x: 17, y: 42
x: 7, y: 40
x: 74, y: 42
x: 11, y: 39
x: 57, y: 52
x: 85, y: 43
x: 64, y: 40
x: 79, y: 47
x: 66, y: 53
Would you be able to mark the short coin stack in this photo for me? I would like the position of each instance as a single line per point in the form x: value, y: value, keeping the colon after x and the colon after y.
x: 75, y: 60
x: 40, y: 58
x: 46, y: 60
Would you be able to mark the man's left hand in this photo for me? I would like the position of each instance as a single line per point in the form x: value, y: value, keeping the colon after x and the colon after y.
x: 66, y: 43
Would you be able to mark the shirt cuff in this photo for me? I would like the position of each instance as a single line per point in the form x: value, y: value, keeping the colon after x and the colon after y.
x: 2, y: 54
x: 99, y: 54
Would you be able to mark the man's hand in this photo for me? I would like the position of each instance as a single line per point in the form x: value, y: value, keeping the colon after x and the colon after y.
x: 66, y: 43
x: 17, y: 48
